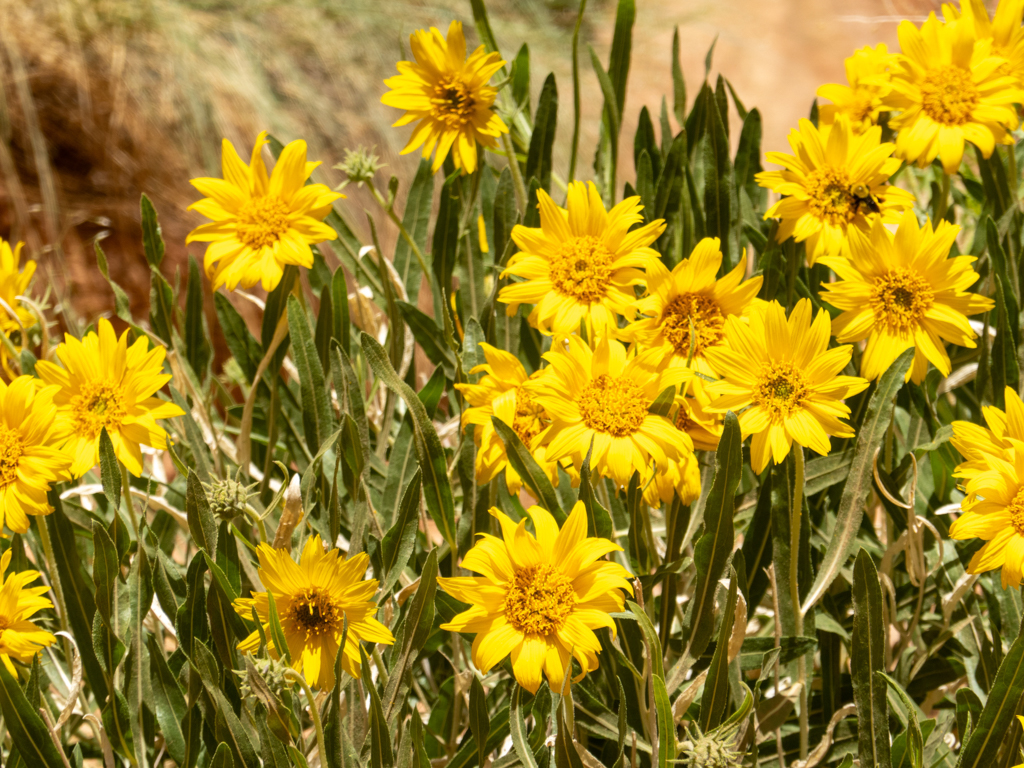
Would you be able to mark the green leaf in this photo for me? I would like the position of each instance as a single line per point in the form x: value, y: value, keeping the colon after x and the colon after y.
x: 28, y: 732
x: 599, y: 520
x: 197, y: 339
x: 381, y: 753
x: 867, y: 656
x: 122, y: 305
x: 997, y: 718
x: 201, y: 523
x: 479, y: 723
x: 713, y: 548
x: 152, y: 240
x: 538, y: 160
x: 317, y: 422
x: 168, y: 704
x: 245, y: 349
x: 566, y: 755
x: 678, y: 83
x: 400, y: 540
x: 622, y: 43
x: 416, y: 221
x: 666, y: 724
x: 191, y: 621
x: 436, y: 486
x: 716, y: 688
x: 429, y: 337
x: 521, y: 79
x: 505, y: 216
x: 341, y: 329
x: 110, y: 471
x: 529, y: 470
x: 650, y: 638
x: 140, y: 599
x: 277, y: 635
x: 717, y: 176
x: 445, y: 244
x: 205, y: 667
x: 858, y: 484
x: 517, y: 726
x: 914, y: 737
x: 416, y: 628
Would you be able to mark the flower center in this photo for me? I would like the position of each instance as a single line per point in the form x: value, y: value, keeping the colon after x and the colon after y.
x: 98, y: 404
x: 529, y: 420
x: 706, y: 318
x: 1016, y: 510
x: 949, y: 95
x: 582, y: 269
x: 453, y: 101
x: 262, y: 221
x: 861, y: 107
x: 780, y: 389
x: 683, y: 420
x: 831, y: 200
x: 900, y: 299
x: 315, y: 613
x: 11, y: 449
x: 616, y: 407
x: 539, y: 600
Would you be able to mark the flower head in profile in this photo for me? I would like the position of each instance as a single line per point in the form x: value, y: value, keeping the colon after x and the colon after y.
x: 601, y: 395
x: 949, y: 89
x: 688, y: 306
x: 15, y: 317
x: 834, y: 182
x: 901, y: 291
x: 31, y: 435
x: 1003, y: 32
x: 105, y: 383
x: 993, y: 510
x: 502, y: 393
x: 20, y: 638
x: 782, y: 379
x: 680, y: 477
x: 448, y: 95
x: 860, y: 102
x: 581, y: 264
x: 313, y: 598
x: 1004, y: 433
x: 261, y: 223
x: 539, y: 597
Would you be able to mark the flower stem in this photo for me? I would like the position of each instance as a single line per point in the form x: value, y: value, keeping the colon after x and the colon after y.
x: 517, y: 178
x: 127, y: 488
x: 389, y: 210
x: 55, y: 585
x: 943, y: 203
x: 795, y: 519
x: 291, y: 674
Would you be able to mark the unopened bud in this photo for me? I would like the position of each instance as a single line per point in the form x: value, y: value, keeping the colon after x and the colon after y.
x: 359, y: 165
x: 291, y: 516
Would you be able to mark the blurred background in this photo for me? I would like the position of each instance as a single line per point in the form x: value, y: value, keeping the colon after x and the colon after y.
x: 102, y: 100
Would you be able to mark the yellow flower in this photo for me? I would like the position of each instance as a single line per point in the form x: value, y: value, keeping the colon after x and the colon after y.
x: 106, y: 383
x: 1003, y: 32
x: 501, y: 392
x: 868, y: 75
x: 599, y: 395
x: 663, y: 482
x: 261, y: 224
x: 901, y: 291
x: 20, y: 638
x: 448, y: 94
x: 694, y: 417
x: 30, y: 455
x: 689, y: 305
x: 994, y: 511
x: 1005, y: 432
x: 539, y: 598
x: 582, y: 263
x: 949, y: 89
x: 834, y: 182
x: 313, y: 598
x: 15, y: 317
x: 786, y: 374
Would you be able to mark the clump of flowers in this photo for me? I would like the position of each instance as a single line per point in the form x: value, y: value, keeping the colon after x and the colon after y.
x: 868, y: 73
x: 20, y: 638
x: 15, y: 317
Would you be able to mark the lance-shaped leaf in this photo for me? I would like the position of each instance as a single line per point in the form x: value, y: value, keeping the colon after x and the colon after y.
x: 866, y: 657
x: 858, y: 483
x: 316, y: 408
x: 529, y: 470
x: 716, y: 687
x: 29, y: 734
x: 517, y: 725
x: 399, y: 541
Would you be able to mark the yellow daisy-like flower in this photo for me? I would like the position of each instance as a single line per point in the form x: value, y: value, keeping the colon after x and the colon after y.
x: 833, y: 183
x: 449, y: 95
x: 689, y: 306
x: 501, y: 392
x: 994, y: 511
x: 261, y: 223
x: 582, y: 263
x: 787, y: 379
x: 1005, y: 432
x: 676, y: 477
x: 1003, y: 31
x: 313, y: 598
x: 30, y: 455
x: 603, y: 396
x: 694, y: 417
x: 15, y: 317
x: 20, y: 638
x: 106, y: 383
x: 949, y: 90
x: 539, y: 598
x: 901, y: 291
x: 868, y: 75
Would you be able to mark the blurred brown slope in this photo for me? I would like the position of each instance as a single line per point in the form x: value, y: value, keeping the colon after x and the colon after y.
x: 105, y: 99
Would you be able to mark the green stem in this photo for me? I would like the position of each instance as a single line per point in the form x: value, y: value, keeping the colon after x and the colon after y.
x: 517, y: 178
x: 943, y: 204
x: 389, y: 210
x: 795, y: 519
x: 58, y: 592
x: 291, y: 674
x: 127, y: 489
